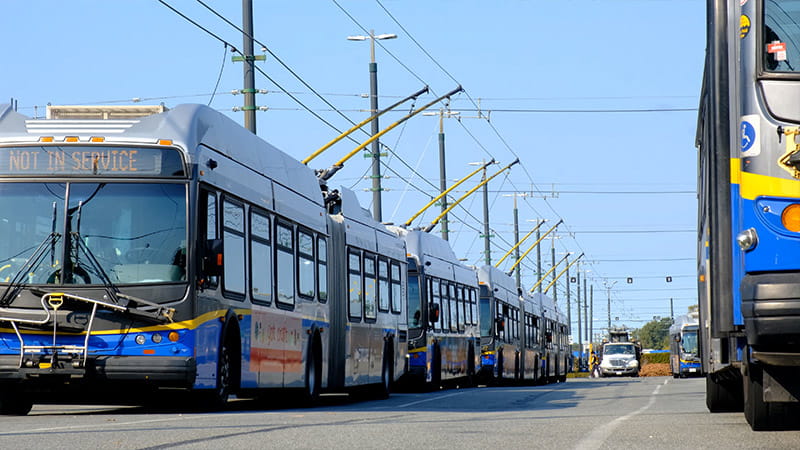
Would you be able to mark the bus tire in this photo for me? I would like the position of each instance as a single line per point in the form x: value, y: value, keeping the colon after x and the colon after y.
x: 14, y: 404
x: 436, y: 368
x: 500, y: 363
x: 313, y: 378
x: 226, y: 383
x: 387, y: 371
x: 471, y: 365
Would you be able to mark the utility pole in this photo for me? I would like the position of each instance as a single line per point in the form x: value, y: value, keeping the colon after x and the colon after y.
x: 539, y: 258
x: 585, y: 306
x: 248, y: 66
x: 553, y: 258
x: 608, y: 289
x: 591, y: 311
x: 442, y: 167
x: 580, y: 329
x: 377, y: 209
x: 569, y: 308
x: 671, y: 311
x: 442, y: 175
x: 487, y: 242
x: 517, y: 273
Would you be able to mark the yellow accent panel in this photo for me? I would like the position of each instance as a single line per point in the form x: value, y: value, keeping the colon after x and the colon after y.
x: 752, y: 186
x: 418, y: 349
x: 736, y: 170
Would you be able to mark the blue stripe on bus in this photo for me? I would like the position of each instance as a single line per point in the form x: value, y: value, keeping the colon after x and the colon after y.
x: 121, y: 344
x: 736, y: 258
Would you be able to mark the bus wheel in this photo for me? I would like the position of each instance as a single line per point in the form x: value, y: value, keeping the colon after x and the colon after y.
x: 387, y: 371
x: 436, y: 368
x: 313, y: 374
x: 500, y: 363
x: 14, y: 404
x: 471, y: 366
x: 224, y: 377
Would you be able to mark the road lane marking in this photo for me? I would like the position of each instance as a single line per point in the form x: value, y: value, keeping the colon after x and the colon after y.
x: 105, y: 425
x: 429, y: 399
x: 598, y: 437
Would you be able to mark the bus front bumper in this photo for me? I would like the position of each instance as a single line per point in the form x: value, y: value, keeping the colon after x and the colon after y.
x: 164, y: 371
x: 771, y: 309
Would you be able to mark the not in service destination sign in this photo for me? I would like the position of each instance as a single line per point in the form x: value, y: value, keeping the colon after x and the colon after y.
x: 85, y: 160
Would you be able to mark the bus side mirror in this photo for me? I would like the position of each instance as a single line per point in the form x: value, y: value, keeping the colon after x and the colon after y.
x: 500, y: 324
x: 212, y: 258
x: 677, y: 338
x: 433, y: 313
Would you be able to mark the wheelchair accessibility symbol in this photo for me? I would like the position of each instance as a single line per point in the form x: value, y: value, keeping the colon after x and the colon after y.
x: 748, y: 135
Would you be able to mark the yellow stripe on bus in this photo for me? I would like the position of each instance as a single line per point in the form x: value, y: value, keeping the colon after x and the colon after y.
x: 752, y: 186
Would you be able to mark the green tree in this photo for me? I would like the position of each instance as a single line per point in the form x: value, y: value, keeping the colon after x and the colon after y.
x: 654, y: 334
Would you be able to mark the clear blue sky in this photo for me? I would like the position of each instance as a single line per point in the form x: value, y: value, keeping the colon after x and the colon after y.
x: 582, y: 55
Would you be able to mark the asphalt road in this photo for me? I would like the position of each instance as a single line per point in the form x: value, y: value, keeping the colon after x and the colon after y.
x: 651, y: 413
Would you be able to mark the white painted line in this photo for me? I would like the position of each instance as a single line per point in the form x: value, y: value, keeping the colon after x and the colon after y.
x: 107, y: 424
x: 598, y: 437
x: 429, y: 399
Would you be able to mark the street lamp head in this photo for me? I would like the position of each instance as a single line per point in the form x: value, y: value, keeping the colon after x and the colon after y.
x: 386, y: 36
x: 357, y: 38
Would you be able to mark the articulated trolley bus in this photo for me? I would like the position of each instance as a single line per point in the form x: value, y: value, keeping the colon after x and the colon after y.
x: 749, y: 210
x: 523, y: 336
x: 443, y: 335
x: 178, y: 250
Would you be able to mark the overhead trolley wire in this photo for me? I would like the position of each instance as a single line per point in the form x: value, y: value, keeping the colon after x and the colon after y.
x: 261, y: 71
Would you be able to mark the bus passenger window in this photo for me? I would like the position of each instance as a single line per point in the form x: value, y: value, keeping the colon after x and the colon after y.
x: 233, y: 245
x: 305, y: 264
x: 354, y: 276
x: 370, y: 287
x: 211, y: 231
x: 260, y: 259
x: 322, y: 269
x: 436, y: 295
x: 383, y: 285
x: 284, y: 264
x: 397, y: 300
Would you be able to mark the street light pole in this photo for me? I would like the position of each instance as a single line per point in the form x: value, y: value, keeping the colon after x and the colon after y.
x: 377, y: 212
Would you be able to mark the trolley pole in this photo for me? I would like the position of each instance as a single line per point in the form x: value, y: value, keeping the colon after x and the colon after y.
x: 248, y: 67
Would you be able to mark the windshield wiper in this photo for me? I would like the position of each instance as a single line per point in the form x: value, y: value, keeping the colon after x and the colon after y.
x: 18, y: 282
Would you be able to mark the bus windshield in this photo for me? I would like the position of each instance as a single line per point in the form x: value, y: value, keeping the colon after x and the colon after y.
x: 92, y: 233
x: 486, y: 317
x: 414, y: 303
x: 689, y: 342
x: 781, y: 32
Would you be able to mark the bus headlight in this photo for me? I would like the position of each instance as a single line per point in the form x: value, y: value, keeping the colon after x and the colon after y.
x: 747, y: 239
